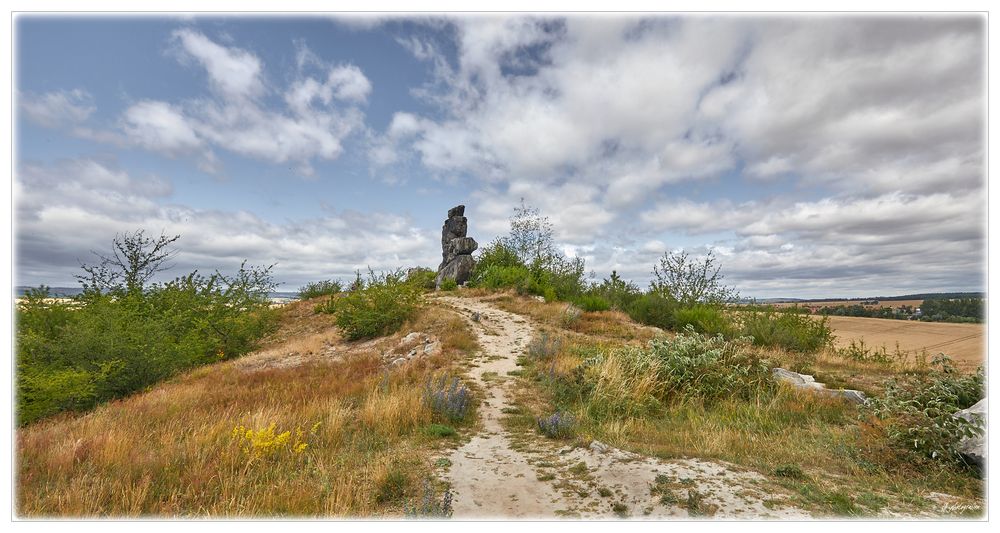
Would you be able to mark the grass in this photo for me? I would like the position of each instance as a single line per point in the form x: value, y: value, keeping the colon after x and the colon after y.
x: 773, y: 432
x: 171, y: 451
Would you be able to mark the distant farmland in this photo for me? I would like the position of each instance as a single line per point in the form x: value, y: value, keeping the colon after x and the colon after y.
x: 964, y: 343
x: 881, y: 303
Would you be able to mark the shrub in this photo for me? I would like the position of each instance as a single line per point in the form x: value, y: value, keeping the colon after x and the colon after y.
x: 559, y: 425
x: 785, y: 329
x: 653, y: 310
x: 429, y: 506
x: 392, y: 486
x: 319, y: 288
x: 421, y: 277
x: 449, y: 284
x: 379, y: 308
x: 502, y: 277
x: 692, y: 365
x: 570, y: 316
x: 632, y: 381
x: 592, y: 302
x: 706, y: 319
x: 916, y: 414
x: 115, y: 338
x: 680, y: 278
x: 449, y: 401
x: 619, y: 293
x: 544, y: 346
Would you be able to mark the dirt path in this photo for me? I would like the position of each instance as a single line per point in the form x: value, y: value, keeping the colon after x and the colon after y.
x: 499, y: 475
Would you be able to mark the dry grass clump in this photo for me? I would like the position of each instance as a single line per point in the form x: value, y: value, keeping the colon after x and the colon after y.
x: 604, y: 324
x: 324, y: 440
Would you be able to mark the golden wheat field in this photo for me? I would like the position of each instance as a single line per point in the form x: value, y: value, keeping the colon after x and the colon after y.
x: 965, y: 343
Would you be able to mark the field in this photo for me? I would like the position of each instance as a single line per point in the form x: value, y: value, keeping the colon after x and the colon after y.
x: 965, y: 343
x: 881, y: 303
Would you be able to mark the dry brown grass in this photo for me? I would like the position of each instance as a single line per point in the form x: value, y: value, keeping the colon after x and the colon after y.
x: 964, y: 343
x: 608, y: 325
x: 172, y: 452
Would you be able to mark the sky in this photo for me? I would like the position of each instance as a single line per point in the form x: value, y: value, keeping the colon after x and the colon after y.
x: 814, y: 155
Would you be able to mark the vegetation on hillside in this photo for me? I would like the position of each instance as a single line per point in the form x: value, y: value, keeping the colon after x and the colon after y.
x: 124, y: 333
x: 375, y: 307
x: 320, y: 438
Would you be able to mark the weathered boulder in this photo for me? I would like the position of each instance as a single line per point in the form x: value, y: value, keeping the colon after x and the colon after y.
x: 974, y: 448
x: 462, y: 246
x: 458, y: 269
x: 456, y: 248
x: 807, y: 382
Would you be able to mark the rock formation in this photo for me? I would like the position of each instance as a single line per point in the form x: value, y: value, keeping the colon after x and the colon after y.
x: 456, y: 248
x: 807, y: 382
x: 974, y: 448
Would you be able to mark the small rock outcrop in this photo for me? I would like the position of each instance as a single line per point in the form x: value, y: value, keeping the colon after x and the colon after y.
x: 974, y: 448
x: 807, y: 382
x: 456, y: 248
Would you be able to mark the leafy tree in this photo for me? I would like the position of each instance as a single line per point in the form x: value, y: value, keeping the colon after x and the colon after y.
x: 134, y: 260
x: 531, y: 236
x: 681, y: 278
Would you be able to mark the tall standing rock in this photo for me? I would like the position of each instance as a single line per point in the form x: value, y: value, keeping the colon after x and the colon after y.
x: 456, y: 249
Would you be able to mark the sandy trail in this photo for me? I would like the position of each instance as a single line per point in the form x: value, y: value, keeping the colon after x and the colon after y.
x: 490, y: 478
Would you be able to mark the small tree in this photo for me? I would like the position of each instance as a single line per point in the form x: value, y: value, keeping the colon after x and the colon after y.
x: 531, y: 236
x: 134, y: 260
x: 681, y: 278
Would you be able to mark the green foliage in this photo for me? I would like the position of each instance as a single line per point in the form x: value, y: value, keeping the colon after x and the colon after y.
x: 703, y: 318
x: 692, y: 365
x: 592, y: 302
x: 680, y: 278
x: 790, y: 471
x: 526, y: 260
x: 786, y: 329
x: 441, y: 431
x: 917, y: 413
x: 653, y: 310
x: 449, y: 284
x: 380, y: 307
x: 502, y: 277
x: 620, y: 294
x: 115, y: 341
x: 320, y: 288
x: 421, y: 277
x: 632, y: 381
x: 953, y: 310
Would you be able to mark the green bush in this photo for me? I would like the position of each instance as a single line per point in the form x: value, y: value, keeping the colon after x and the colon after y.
x: 785, y: 329
x: 708, y: 319
x: 692, y: 365
x: 105, y: 345
x: 638, y: 381
x: 320, y: 288
x: 653, y: 310
x: 917, y: 412
x: 381, y: 307
x: 503, y: 277
x: 449, y: 284
x: 421, y: 277
x: 592, y: 302
x: 619, y: 293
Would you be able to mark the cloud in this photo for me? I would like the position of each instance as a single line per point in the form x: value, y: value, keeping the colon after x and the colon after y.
x: 58, y: 108
x: 233, y: 73
x: 319, y: 114
x: 69, y: 208
x: 612, y: 124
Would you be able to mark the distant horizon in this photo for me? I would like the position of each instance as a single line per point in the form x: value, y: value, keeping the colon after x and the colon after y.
x: 840, y: 154
x: 21, y: 289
